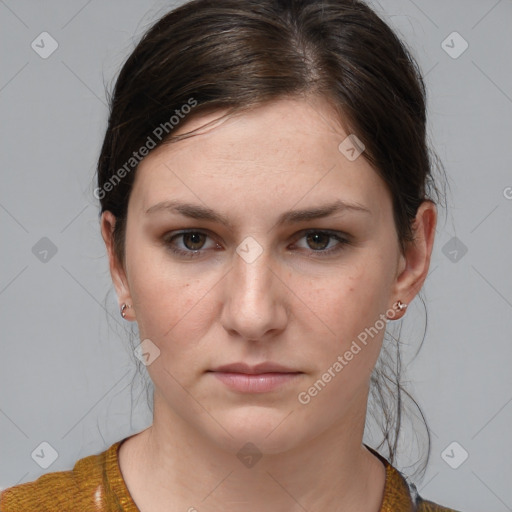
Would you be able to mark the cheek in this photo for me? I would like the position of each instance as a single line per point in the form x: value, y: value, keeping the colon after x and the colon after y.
x: 344, y: 359
x: 356, y: 298
x: 350, y: 308
x: 168, y: 299
x: 176, y: 315
x: 172, y: 309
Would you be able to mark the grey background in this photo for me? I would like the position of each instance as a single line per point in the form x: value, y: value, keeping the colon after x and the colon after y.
x: 66, y: 369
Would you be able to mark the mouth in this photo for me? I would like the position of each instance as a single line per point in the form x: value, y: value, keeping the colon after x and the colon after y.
x: 262, y: 378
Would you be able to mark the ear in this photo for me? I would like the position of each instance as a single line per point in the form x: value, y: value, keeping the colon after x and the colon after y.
x: 415, y: 262
x: 117, y: 272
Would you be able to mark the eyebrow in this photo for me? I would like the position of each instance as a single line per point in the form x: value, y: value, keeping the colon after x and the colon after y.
x: 194, y: 211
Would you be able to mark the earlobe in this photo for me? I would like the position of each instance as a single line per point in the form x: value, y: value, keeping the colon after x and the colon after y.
x: 117, y: 272
x: 416, y: 260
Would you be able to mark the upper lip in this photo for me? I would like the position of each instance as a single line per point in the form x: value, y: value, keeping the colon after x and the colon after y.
x: 267, y: 367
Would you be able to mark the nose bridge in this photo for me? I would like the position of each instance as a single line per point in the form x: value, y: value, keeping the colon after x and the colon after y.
x: 252, y: 305
x: 252, y: 273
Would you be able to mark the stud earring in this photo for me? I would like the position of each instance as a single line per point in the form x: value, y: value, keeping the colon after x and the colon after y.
x: 400, y: 305
x: 124, y: 307
x: 397, y: 307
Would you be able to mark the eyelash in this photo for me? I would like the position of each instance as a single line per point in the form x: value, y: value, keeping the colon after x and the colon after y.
x: 321, y: 253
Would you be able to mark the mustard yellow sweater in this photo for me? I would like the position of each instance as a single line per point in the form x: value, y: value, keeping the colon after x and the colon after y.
x: 96, y: 484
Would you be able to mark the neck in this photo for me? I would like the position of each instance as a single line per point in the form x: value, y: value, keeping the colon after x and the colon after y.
x: 171, y: 463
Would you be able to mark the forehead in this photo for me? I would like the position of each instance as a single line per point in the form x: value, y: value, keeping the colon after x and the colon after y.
x: 282, y: 152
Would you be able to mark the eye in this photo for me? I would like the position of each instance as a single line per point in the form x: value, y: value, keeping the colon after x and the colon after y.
x: 320, y: 242
x: 193, y: 242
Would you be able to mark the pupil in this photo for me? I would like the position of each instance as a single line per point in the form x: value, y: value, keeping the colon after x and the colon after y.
x: 316, y: 236
x: 196, y: 237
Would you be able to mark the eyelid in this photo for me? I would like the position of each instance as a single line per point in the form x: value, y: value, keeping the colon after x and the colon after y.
x: 341, y: 237
x: 330, y: 232
x: 172, y: 235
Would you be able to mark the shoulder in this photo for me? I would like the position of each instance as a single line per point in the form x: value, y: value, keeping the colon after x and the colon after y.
x: 71, y: 490
x: 401, y: 495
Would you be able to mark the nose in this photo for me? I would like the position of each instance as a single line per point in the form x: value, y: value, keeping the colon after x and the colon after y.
x: 255, y: 299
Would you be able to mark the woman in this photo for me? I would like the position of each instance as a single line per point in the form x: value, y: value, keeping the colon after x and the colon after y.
x: 264, y: 185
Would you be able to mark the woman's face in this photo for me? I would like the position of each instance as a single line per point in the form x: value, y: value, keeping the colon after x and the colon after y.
x: 258, y: 280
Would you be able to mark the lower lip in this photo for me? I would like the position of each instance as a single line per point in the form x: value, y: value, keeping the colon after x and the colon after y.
x: 255, y: 383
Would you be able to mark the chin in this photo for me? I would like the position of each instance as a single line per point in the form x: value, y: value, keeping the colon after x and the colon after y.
x: 270, y: 430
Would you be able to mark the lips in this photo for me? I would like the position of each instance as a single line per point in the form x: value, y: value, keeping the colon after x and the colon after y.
x: 261, y: 378
x: 267, y: 367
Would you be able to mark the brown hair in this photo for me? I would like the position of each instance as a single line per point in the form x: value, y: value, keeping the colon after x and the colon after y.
x: 238, y: 54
